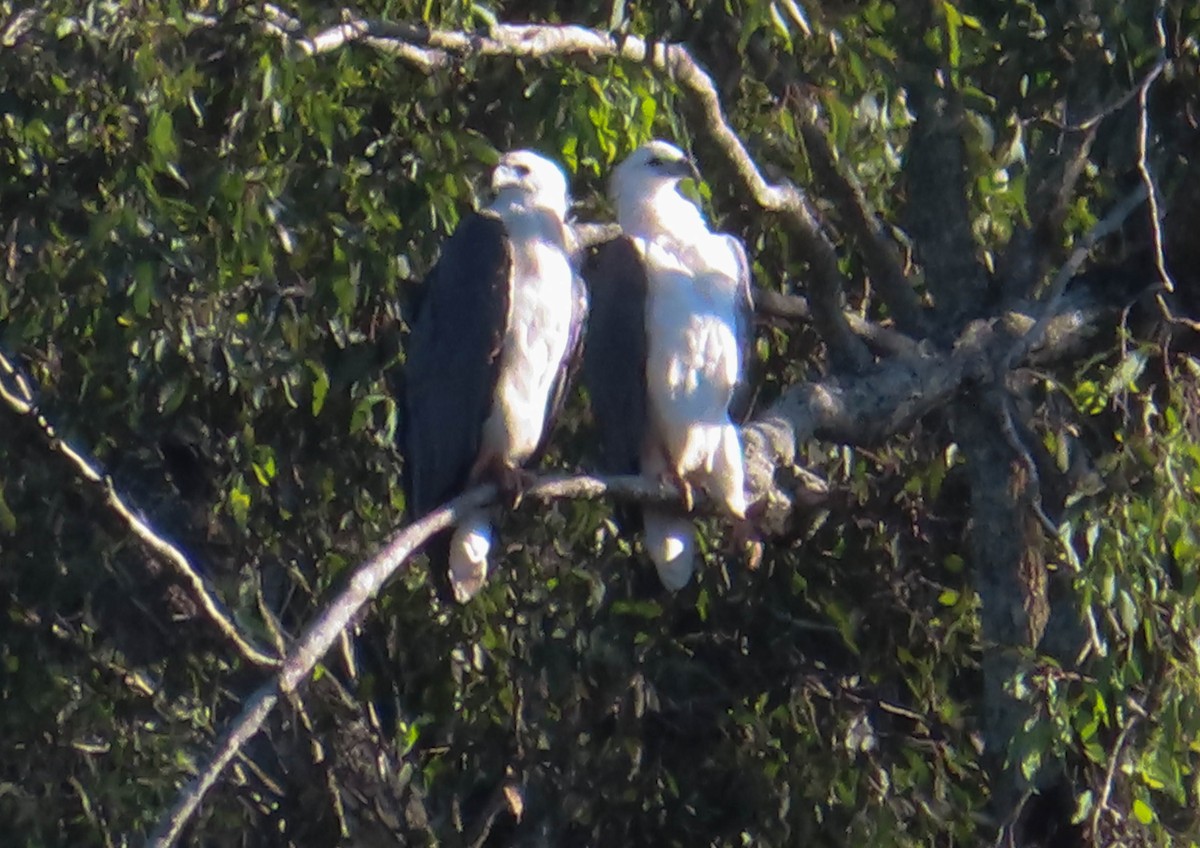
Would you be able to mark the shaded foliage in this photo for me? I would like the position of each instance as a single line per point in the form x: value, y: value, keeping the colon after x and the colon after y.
x: 210, y: 245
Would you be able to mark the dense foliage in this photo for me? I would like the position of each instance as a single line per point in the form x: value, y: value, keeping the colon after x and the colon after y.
x: 210, y: 240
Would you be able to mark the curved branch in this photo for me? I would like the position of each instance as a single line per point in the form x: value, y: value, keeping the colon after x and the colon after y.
x: 17, y: 394
x: 878, y: 249
x: 429, y: 50
x: 368, y: 579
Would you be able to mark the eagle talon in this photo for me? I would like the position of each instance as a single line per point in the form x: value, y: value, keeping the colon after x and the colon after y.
x: 512, y: 483
x: 745, y: 537
x: 687, y: 492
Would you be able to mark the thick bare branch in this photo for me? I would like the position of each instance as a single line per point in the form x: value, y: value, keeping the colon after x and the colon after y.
x: 368, y: 579
x: 936, y: 213
x: 17, y: 394
x: 431, y: 49
x: 872, y: 407
x: 878, y: 249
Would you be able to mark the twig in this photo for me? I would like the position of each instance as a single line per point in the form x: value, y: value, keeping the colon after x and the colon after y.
x: 320, y: 635
x: 430, y: 50
x: 1160, y: 260
x: 17, y: 394
x: 879, y: 251
x: 1033, y: 337
x: 1106, y: 793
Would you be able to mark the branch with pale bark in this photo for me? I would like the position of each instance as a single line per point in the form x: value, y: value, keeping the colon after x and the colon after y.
x: 864, y: 411
x: 884, y: 399
x: 316, y: 640
x: 430, y: 50
x: 16, y: 392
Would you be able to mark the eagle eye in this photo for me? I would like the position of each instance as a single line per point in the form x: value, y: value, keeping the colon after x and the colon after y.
x: 522, y: 171
x: 657, y: 161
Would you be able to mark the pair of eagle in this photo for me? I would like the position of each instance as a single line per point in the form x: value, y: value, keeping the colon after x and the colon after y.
x: 502, y: 319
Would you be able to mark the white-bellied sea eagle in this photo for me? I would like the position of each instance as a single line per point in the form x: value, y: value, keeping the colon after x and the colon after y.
x: 499, y: 323
x: 668, y: 333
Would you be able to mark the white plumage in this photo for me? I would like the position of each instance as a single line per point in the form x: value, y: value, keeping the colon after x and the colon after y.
x: 487, y: 366
x: 697, y: 295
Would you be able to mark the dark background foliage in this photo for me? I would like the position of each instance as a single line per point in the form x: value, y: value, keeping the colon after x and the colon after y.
x: 210, y: 241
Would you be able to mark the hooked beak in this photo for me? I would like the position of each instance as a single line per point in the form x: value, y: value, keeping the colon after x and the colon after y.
x: 685, y: 169
x: 505, y: 176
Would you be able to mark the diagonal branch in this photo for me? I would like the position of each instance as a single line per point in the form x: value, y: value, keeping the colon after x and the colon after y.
x: 368, y: 579
x: 878, y: 249
x: 783, y: 77
x: 429, y: 50
x: 17, y: 395
x: 861, y: 410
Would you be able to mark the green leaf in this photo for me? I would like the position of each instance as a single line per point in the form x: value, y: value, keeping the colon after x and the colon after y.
x: 1142, y: 811
x: 320, y: 387
x: 162, y: 136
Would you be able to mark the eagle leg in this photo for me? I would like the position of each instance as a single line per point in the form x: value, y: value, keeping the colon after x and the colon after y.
x: 686, y: 490
x: 657, y: 463
x: 512, y: 482
x: 745, y: 537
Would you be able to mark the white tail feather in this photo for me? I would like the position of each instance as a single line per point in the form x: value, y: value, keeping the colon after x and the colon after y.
x: 671, y: 542
x: 469, y: 556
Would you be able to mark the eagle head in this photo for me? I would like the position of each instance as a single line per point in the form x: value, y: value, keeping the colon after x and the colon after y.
x: 654, y: 164
x: 532, y: 180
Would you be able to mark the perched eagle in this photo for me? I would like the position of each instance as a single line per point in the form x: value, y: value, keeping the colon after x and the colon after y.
x: 668, y: 335
x: 499, y: 323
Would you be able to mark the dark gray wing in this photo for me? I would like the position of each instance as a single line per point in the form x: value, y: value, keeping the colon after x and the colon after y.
x: 453, y: 360
x: 614, y: 357
x: 739, y: 405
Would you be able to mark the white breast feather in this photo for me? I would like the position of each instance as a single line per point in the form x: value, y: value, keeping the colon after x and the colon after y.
x: 539, y: 328
x: 693, y: 360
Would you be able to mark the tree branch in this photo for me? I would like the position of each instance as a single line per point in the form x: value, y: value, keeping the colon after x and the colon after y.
x: 783, y: 77
x: 429, y: 50
x: 793, y: 307
x: 878, y: 249
x: 937, y: 214
x: 364, y: 585
x: 896, y: 393
x: 18, y: 396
